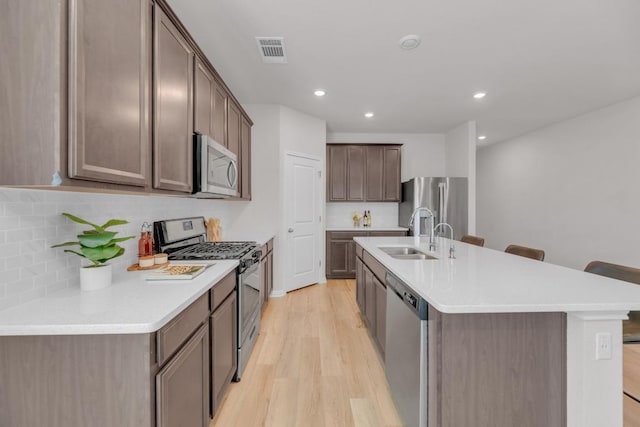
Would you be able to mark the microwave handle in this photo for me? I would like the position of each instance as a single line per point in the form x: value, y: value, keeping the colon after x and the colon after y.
x: 233, y: 178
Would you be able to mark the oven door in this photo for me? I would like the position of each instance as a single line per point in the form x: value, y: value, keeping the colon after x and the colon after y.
x: 250, y: 297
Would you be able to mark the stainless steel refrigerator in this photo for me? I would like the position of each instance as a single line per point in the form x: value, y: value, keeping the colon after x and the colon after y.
x: 446, y: 197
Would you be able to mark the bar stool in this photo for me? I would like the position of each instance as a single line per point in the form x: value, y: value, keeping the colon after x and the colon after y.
x: 472, y: 240
x: 537, y: 254
x: 615, y: 271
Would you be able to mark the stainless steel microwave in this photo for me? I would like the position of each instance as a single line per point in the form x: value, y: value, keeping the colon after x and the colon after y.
x: 215, y: 173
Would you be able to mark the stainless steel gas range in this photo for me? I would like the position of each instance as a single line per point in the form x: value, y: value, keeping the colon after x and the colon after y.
x: 185, y: 240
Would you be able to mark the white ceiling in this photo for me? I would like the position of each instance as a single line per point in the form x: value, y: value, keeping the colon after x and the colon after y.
x: 540, y: 61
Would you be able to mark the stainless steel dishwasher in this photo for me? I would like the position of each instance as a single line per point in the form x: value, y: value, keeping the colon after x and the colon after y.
x: 406, y: 352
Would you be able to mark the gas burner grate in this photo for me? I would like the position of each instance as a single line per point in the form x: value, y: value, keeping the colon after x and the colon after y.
x: 214, y: 250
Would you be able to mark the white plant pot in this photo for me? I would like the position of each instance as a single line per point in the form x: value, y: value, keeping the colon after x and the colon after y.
x: 94, y: 278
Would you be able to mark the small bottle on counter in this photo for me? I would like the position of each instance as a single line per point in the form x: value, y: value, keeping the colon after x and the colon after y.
x: 368, y: 218
x: 364, y: 219
x: 145, y: 244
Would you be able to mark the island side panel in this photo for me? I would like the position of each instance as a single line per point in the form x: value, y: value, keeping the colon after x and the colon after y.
x: 500, y: 370
x: 594, y: 386
x: 77, y: 381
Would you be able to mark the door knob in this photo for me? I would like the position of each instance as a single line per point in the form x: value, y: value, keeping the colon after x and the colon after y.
x: 290, y: 230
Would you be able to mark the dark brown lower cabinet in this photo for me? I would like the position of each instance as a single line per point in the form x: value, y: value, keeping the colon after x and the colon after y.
x: 269, y: 277
x: 370, y: 299
x: 371, y: 296
x: 360, y: 284
x: 176, y: 376
x: 266, y: 271
x: 224, y: 360
x: 381, y: 314
x: 337, y: 258
x: 341, y: 251
x: 182, y: 386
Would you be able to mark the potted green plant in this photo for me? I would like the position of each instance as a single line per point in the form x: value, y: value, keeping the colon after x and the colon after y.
x: 99, y: 246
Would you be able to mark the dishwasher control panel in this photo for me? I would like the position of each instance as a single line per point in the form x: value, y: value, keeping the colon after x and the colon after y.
x: 411, y: 299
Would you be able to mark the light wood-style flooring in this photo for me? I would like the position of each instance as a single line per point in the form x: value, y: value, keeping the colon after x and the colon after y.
x: 314, y: 364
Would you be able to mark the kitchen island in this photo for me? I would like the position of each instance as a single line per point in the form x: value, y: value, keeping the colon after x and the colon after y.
x: 512, y: 341
x: 138, y: 353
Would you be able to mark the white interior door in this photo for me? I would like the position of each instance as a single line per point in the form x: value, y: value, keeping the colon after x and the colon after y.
x: 302, y: 213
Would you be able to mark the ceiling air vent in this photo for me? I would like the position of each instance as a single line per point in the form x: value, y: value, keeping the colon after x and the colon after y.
x: 272, y: 50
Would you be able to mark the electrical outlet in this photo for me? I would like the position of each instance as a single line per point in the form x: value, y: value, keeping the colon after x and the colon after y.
x: 603, y: 346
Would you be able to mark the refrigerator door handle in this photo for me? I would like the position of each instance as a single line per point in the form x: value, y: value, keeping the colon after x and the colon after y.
x: 442, y: 194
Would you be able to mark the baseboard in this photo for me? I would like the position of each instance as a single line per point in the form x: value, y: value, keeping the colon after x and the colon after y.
x: 277, y: 293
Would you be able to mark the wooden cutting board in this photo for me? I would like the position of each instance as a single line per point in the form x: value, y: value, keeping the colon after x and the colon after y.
x: 214, y: 230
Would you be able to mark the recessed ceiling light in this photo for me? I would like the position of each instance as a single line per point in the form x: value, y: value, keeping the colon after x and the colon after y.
x: 320, y: 92
x: 409, y: 42
x: 479, y: 95
x: 368, y: 115
x: 482, y: 137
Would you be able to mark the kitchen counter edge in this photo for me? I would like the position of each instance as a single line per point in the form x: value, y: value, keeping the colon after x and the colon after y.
x: 131, y: 305
x: 543, y: 299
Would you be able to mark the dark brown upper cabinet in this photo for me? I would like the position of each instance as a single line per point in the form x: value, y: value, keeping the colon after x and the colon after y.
x: 361, y: 172
x: 238, y: 141
x: 233, y: 137
x: 173, y: 121
x: 391, y: 176
x: 121, y: 88
x: 220, y: 100
x: 337, y: 173
x: 356, y: 172
x: 109, y: 80
x: 203, y: 90
x: 77, y: 102
x: 375, y: 173
x: 210, y: 105
x: 245, y: 159
x: 233, y: 128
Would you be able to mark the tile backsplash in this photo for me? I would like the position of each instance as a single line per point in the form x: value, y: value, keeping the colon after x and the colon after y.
x: 382, y: 214
x: 31, y: 221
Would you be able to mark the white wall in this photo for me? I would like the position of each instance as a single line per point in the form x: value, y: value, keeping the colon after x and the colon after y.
x: 460, y: 161
x: 382, y: 214
x: 572, y: 189
x: 423, y: 154
x: 302, y: 133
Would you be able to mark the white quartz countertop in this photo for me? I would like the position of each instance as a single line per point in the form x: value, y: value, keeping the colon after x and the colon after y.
x: 131, y: 305
x: 391, y: 228
x: 260, y: 237
x: 482, y: 280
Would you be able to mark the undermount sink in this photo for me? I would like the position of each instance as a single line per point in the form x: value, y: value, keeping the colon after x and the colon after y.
x: 405, y: 252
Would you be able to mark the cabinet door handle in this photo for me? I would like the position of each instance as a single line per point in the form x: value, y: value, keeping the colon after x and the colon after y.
x: 290, y: 230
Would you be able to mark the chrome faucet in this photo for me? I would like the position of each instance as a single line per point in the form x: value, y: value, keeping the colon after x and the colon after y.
x: 452, y: 249
x: 416, y: 225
